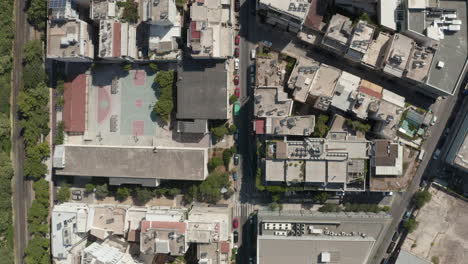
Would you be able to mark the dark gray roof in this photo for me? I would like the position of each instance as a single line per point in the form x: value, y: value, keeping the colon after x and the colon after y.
x: 197, y: 126
x: 202, y: 89
x: 385, y: 153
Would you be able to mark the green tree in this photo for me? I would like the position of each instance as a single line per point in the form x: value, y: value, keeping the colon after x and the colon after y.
x: 5, y: 64
x: 142, y: 195
x: 60, y: 134
x: 164, y: 109
x: 33, y: 74
x: 219, y: 131
x: 32, y: 51
x: 122, y: 193
x: 153, y: 66
x: 63, y: 193
x: 41, y: 192
x: 321, y: 127
x: 411, y: 225
x: 213, y: 163
x: 158, y: 192
x: 37, y: 14
x: 421, y: 198
x: 173, y: 192
x: 232, y: 99
x: 326, y: 208
x: 321, y: 197
x: 130, y: 11
x: 273, y: 206
x: 37, y: 213
x: 232, y: 129
x: 37, y: 251
x: 101, y: 191
x: 210, y: 189
x: 227, y: 155
x: 34, y: 169
x: 191, y: 194
x: 89, y: 188
x: 127, y: 67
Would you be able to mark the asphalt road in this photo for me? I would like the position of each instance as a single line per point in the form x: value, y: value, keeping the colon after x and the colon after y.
x: 402, y: 201
x: 21, y: 193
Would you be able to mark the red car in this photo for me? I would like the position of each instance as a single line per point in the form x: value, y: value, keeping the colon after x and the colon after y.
x: 237, y: 40
x: 235, y: 223
x: 237, y: 92
x: 236, y: 53
x: 236, y: 79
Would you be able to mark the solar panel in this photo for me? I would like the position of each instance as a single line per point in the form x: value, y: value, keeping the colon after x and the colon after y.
x: 57, y: 4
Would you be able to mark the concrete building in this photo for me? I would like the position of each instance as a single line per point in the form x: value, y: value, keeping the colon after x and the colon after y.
x: 208, y: 35
x: 389, y: 14
x: 164, y: 26
x: 323, y: 86
x: 387, y: 113
x: 335, y: 163
x: 314, y: 18
x: 457, y: 154
x: 107, y: 118
x: 338, y: 34
x: 285, y: 126
x: 376, y: 51
x: 117, y: 40
x: 313, y: 237
x: 387, y: 159
x: 346, y: 85
x: 360, y: 41
x: 272, y: 101
x: 300, y: 80
x: 286, y: 14
x: 397, y: 55
x: 68, y: 37
x: 103, y: 10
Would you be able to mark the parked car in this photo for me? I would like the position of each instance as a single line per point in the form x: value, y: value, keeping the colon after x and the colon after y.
x: 236, y: 79
x: 253, y: 8
x: 395, y: 236
x: 434, y: 120
x: 251, y: 260
x: 236, y: 236
x: 234, y: 176
x: 235, y: 223
x: 236, y: 108
x: 76, y: 192
x: 237, y: 92
x: 236, y: 159
x: 253, y: 53
x: 391, y: 247
x: 237, y: 40
x: 76, y: 197
x: 237, y: 5
x: 236, y: 135
x: 436, y: 154
x: 388, y: 193
x: 236, y: 64
x: 236, y: 52
x: 252, y: 69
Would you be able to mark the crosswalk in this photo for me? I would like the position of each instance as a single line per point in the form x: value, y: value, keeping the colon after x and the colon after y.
x: 243, y: 210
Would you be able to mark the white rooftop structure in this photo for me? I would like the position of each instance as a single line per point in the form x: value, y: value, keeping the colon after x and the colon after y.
x: 387, y: 13
x: 69, y: 226
x: 347, y: 83
x: 102, y: 254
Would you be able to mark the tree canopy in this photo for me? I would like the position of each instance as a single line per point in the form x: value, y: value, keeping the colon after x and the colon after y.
x: 421, y: 198
x: 101, y: 191
x: 210, y: 189
x: 321, y: 127
x: 165, y: 103
x: 37, y: 14
x: 63, y: 193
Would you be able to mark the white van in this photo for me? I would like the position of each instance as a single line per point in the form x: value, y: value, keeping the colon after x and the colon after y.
x: 253, y: 53
x: 421, y: 155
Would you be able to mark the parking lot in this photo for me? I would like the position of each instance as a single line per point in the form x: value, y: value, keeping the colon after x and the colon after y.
x: 442, y: 231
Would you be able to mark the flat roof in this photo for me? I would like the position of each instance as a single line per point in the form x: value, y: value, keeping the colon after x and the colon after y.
x: 420, y: 4
x: 74, y: 108
x: 134, y: 162
x: 272, y: 101
x: 352, y: 248
x: 375, y: 52
x: 339, y: 28
x: 458, y: 152
x: 387, y: 14
x: 362, y: 37
x: 315, y: 171
x: 67, y: 39
x: 294, y: 125
x: 325, y: 81
x: 110, y: 219
x: 417, y: 20
x: 302, y: 77
x: 398, y: 55
x: 337, y: 171
x: 202, y: 89
x: 274, y: 170
x: 453, y: 51
x: 294, y: 8
x: 347, y: 83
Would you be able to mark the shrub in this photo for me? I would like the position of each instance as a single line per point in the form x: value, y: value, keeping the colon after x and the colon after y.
x: 213, y: 163
x: 232, y: 99
x: 63, y: 193
x: 326, y: 208
x: 153, y: 66
x: 421, y: 198
x: 321, y: 127
x: 219, y: 131
x: 130, y: 11
x: 122, y: 193
x: 60, y: 134
x: 411, y: 225
x: 101, y: 191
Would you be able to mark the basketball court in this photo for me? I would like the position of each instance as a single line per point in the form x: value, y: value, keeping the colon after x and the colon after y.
x: 121, y: 105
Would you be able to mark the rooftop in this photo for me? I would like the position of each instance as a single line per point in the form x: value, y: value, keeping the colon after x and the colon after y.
x: 362, y: 37
x: 147, y: 162
x: 202, y: 90
x: 347, y: 83
x: 103, y: 9
x: 163, y: 238
x: 295, y: 8
x: 109, y: 219
x: 317, y: 10
x: 398, y: 54
x: 301, y: 237
x: 453, y: 51
x: 419, y: 64
x: 117, y: 39
x: 388, y: 116
x: 325, y: 81
x: 272, y: 101
x: 209, y: 224
x: 301, y: 78
x: 375, y: 52
x: 294, y: 125
x: 208, y: 35
x: 69, y: 39
x: 388, y: 158
x: 270, y: 71
x: 74, y: 108
x: 62, y: 10
x: 458, y: 152
x: 338, y: 33
x: 387, y: 13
